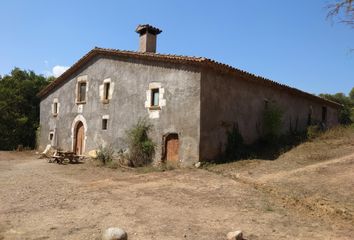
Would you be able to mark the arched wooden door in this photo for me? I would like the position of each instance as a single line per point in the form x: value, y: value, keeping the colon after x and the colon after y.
x: 172, y: 148
x: 79, y: 138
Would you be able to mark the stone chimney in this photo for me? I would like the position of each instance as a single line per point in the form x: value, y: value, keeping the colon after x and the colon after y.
x: 148, y: 36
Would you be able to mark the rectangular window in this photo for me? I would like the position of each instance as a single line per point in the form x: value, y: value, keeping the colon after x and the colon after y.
x: 51, y: 136
x: 324, y: 114
x: 104, y: 124
x: 155, y: 97
x: 55, y: 108
x: 82, y: 92
x: 309, y: 117
x: 106, y: 91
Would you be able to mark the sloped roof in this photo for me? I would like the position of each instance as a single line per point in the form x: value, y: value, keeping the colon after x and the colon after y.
x: 197, y: 61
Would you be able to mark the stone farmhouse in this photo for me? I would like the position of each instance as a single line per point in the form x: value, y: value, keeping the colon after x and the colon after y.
x: 190, y: 101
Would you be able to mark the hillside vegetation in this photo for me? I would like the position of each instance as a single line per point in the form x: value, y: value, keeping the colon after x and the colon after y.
x: 333, y: 143
x: 315, y: 177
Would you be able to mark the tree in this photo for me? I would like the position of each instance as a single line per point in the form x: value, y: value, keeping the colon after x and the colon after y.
x: 351, y: 95
x: 19, y: 108
x: 343, y: 10
x: 347, y: 105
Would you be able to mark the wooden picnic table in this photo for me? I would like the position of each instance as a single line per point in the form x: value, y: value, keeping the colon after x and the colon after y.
x: 62, y: 155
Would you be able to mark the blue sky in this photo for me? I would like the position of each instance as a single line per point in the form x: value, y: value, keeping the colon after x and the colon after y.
x: 287, y: 41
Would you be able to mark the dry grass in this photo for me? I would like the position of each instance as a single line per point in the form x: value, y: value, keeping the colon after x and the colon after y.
x: 316, y: 177
x: 336, y: 142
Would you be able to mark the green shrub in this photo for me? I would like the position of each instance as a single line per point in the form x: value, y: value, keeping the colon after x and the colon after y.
x: 272, y: 122
x: 141, y: 147
x: 113, y: 164
x: 345, y: 115
x: 104, y: 154
x: 313, y: 131
x: 234, y: 146
x: 347, y: 105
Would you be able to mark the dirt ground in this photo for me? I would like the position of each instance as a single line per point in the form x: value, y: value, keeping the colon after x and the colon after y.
x: 40, y: 200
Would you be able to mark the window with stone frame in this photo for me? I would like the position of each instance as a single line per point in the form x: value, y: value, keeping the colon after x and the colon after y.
x: 81, y: 92
x: 51, y: 136
x: 104, y: 124
x: 155, y: 99
x: 155, y: 94
x: 55, y: 112
x: 55, y: 108
x: 106, y: 88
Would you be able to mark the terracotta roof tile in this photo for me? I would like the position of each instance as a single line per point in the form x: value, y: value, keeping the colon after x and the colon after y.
x: 198, y: 61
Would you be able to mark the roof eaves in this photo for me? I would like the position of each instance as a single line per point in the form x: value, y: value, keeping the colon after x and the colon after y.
x: 173, y: 58
x: 265, y: 81
x: 66, y: 74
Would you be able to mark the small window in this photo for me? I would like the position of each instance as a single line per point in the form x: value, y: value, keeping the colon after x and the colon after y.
x: 104, y: 124
x: 155, y: 97
x: 324, y: 114
x: 51, y: 136
x: 81, y: 92
x: 106, y: 91
x: 55, y: 108
x: 309, y: 117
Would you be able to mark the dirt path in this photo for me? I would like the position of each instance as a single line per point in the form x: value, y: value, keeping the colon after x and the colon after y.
x: 348, y: 159
x: 39, y: 200
x: 322, y: 189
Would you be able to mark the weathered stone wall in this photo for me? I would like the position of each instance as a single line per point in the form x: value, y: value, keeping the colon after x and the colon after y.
x: 131, y: 79
x: 197, y: 104
x: 231, y: 99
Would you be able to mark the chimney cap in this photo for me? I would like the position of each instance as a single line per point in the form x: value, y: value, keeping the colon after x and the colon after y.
x: 143, y: 28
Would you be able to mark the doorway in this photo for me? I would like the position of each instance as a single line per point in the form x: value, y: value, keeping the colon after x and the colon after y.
x: 172, y: 148
x: 79, y: 138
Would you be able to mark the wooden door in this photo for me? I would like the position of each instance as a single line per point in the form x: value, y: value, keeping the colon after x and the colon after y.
x: 79, y: 143
x: 172, y: 147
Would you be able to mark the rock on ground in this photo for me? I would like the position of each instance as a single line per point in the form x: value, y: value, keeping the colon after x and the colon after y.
x: 236, y: 235
x: 114, y: 234
x: 198, y: 164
